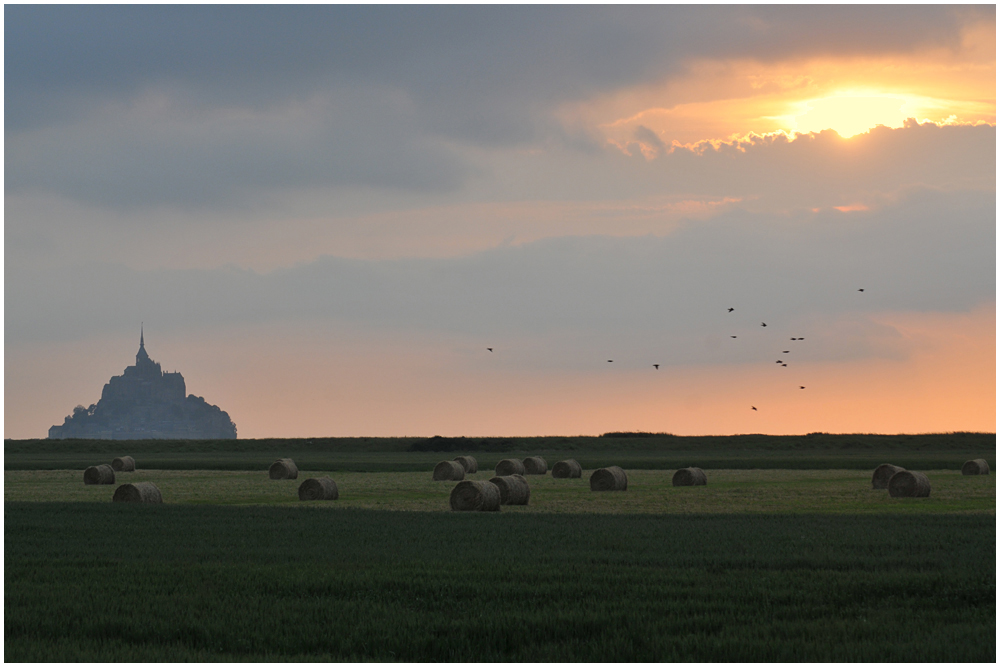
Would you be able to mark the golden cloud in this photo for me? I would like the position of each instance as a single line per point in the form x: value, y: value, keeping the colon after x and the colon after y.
x: 726, y: 100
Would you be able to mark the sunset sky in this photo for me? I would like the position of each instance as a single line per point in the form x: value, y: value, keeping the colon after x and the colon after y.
x: 325, y: 215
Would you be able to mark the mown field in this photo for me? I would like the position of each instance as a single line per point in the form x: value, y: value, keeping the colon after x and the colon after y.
x: 649, y: 491
x: 790, y: 563
x: 104, y: 582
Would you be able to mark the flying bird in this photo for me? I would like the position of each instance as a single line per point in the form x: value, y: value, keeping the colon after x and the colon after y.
x: 793, y: 339
x: 732, y: 336
x: 800, y: 339
x: 656, y: 366
x: 778, y: 361
x: 731, y: 309
x: 784, y: 364
x: 490, y: 349
x: 753, y: 408
x: 784, y: 351
x: 862, y: 289
x: 610, y: 360
x: 763, y: 324
x: 801, y: 387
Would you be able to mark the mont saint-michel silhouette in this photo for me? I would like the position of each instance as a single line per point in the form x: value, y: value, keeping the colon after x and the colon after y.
x: 145, y: 402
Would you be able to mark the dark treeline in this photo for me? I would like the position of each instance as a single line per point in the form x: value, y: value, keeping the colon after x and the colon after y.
x: 638, y: 451
x: 631, y: 441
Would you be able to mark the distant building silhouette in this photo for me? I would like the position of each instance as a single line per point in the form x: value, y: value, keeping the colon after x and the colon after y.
x: 145, y: 402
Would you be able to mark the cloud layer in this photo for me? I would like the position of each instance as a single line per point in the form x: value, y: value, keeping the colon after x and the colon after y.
x: 186, y: 106
x: 932, y: 251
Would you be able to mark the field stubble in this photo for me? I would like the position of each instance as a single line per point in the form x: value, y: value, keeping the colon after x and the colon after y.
x: 649, y: 491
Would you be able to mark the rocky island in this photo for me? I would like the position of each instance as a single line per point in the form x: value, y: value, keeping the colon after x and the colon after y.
x: 146, y: 402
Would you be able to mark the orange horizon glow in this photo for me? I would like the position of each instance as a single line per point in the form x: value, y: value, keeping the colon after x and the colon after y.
x: 384, y: 386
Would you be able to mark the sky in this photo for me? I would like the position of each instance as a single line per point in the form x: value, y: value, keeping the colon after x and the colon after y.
x: 324, y: 216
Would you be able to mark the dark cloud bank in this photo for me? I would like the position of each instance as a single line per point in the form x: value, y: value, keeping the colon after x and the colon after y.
x: 271, y: 97
x: 262, y: 52
x: 216, y: 162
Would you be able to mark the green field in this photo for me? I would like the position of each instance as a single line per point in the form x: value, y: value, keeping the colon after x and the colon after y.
x: 649, y: 492
x: 108, y: 582
x: 784, y: 563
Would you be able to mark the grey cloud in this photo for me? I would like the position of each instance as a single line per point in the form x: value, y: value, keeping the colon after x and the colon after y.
x: 406, y: 85
x: 207, y: 159
x: 646, y: 136
x: 251, y: 55
x: 819, y: 170
x: 477, y: 59
x: 932, y: 252
x: 772, y: 173
x: 182, y: 156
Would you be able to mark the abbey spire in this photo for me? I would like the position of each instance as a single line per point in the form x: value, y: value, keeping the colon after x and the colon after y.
x: 141, y: 355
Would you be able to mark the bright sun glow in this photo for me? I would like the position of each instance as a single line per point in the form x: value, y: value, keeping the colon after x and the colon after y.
x: 849, y: 115
x: 722, y: 100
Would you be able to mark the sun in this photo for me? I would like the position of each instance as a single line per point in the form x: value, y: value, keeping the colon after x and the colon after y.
x: 849, y: 114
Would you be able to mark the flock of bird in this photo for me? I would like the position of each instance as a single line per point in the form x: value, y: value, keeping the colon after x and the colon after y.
x: 781, y: 361
x: 763, y: 324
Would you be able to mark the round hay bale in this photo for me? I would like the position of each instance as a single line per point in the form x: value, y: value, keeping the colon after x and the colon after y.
x: 909, y: 484
x: 323, y: 488
x: 514, y: 489
x: 475, y: 496
x: 509, y: 467
x: 469, y: 463
x: 690, y: 477
x: 448, y: 470
x: 139, y: 492
x: 535, y: 465
x: 976, y: 467
x: 611, y: 478
x: 123, y: 464
x: 882, y: 475
x: 102, y: 474
x: 283, y: 469
x: 567, y: 468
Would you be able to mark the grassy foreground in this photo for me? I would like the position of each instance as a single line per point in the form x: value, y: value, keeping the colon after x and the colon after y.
x: 203, y: 583
x: 650, y: 491
x: 802, y: 563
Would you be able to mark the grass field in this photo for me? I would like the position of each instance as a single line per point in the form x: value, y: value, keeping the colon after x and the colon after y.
x: 108, y: 582
x: 650, y: 491
x: 802, y: 563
